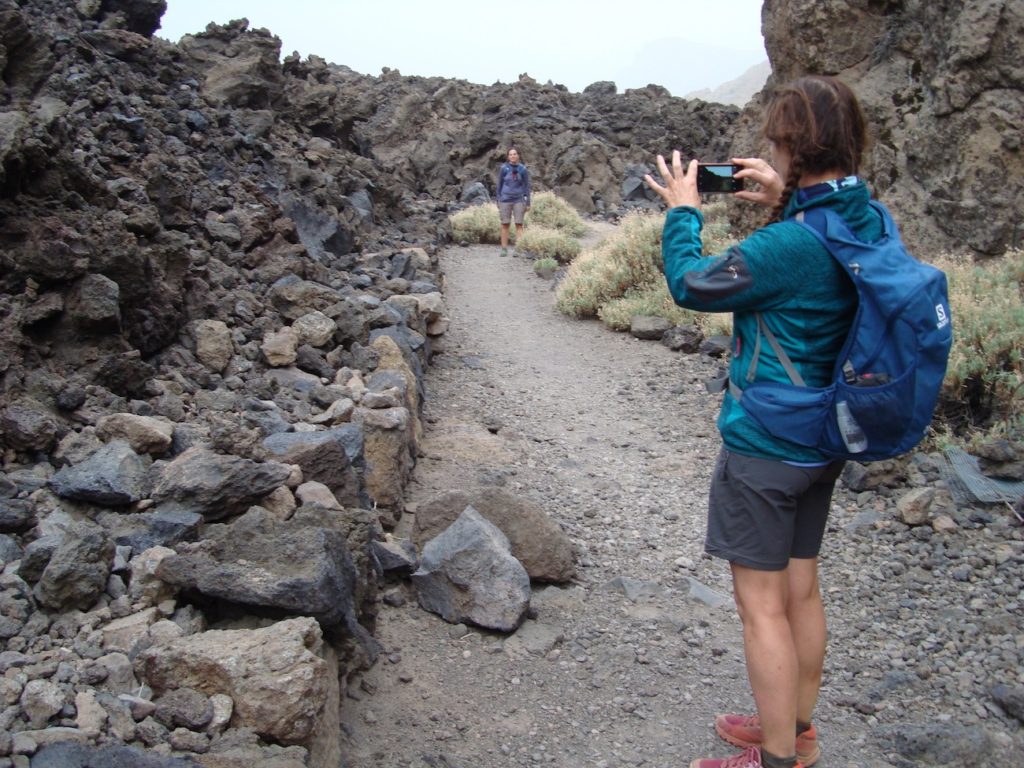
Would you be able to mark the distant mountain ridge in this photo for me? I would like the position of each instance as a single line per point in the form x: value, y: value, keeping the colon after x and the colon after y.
x: 739, y: 91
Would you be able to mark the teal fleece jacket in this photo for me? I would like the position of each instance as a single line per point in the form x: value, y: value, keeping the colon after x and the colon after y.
x: 786, y: 274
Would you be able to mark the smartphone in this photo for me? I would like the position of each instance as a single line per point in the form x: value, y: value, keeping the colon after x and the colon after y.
x: 718, y: 178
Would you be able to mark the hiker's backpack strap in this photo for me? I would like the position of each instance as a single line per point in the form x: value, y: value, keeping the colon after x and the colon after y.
x: 780, y: 353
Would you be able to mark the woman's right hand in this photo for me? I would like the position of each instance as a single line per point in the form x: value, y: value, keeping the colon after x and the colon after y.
x: 770, y: 184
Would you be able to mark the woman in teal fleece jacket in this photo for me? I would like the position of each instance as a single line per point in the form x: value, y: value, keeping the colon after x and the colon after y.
x: 770, y: 498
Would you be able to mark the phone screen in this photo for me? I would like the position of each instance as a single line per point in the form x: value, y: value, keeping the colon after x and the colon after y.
x: 718, y: 178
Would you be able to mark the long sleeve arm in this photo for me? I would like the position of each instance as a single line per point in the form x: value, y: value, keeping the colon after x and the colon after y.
x: 748, y: 276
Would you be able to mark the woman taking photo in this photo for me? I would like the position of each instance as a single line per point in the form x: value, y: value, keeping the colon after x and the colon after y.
x: 770, y: 498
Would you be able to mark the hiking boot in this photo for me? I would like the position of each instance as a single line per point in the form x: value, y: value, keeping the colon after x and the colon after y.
x: 748, y: 758
x: 504, y: 251
x: 745, y: 731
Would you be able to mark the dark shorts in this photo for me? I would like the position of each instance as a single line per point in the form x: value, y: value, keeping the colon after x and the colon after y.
x: 762, y: 513
x: 508, y: 211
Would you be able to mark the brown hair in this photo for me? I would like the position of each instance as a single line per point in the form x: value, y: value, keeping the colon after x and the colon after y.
x: 819, y: 122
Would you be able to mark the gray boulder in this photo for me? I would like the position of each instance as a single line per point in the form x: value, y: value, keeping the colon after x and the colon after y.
x: 468, y: 574
x: 475, y: 193
x: 215, y: 485
x: 397, y: 557
x: 537, y: 541
x: 938, y: 744
x: 649, y: 328
x: 1010, y: 698
x: 683, y: 338
x: 331, y: 457
x: 112, y: 476
x: 16, y: 514
x: 25, y: 425
x: 69, y: 754
x: 77, y: 572
x: 9, y: 549
x: 294, y: 567
x: 93, y: 305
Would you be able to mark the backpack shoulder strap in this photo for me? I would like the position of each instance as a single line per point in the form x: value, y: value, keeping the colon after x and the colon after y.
x: 829, y: 225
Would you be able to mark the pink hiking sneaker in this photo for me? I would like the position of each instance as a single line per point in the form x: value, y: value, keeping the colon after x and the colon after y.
x: 749, y: 758
x: 745, y: 731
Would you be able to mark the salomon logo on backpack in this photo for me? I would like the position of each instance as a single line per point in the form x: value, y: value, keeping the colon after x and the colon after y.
x: 889, y: 372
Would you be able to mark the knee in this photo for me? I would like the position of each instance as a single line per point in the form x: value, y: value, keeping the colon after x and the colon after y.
x: 755, y: 612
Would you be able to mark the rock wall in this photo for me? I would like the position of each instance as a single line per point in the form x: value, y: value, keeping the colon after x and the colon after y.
x: 943, y: 87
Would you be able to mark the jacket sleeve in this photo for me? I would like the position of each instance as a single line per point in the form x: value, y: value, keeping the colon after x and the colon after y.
x: 526, y: 178
x: 747, y: 277
x: 501, y: 181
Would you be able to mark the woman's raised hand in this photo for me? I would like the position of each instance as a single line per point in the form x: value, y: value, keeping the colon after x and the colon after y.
x: 680, y: 186
x: 770, y: 184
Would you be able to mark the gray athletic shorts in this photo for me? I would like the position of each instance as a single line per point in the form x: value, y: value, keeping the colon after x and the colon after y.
x: 507, y: 210
x: 762, y: 513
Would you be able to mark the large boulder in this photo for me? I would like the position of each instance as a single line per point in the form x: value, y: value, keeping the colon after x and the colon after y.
x: 216, y: 485
x: 536, y: 540
x: 114, y: 475
x: 468, y: 574
x: 77, y: 571
x: 292, y: 567
x: 283, y: 679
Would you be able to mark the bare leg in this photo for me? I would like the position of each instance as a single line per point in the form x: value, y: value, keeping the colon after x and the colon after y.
x: 519, y: 232
x: 504, y: 235
x: 807, y: 623
x: 762, y: 598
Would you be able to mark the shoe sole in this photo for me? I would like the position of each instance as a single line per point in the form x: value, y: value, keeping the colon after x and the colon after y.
x: 806, y: 760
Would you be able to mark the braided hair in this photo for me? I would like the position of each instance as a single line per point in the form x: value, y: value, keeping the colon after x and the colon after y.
x: 819, y: 122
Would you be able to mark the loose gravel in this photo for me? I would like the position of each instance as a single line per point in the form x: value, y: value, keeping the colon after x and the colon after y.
x: 615, y: 438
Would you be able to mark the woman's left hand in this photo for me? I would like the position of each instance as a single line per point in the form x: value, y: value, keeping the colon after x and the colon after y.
x: 680, y: 186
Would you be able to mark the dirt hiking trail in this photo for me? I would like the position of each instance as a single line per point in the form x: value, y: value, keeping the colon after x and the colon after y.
x: 615, y: 439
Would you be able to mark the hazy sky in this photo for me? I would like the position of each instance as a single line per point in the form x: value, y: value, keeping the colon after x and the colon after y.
x: 684, y: 45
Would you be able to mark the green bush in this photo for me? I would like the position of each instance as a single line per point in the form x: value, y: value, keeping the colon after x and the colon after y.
x: 478, y: 224
x: 550, y: 211
x: 629, y: 259
x: 622, y: 275
x: 545, y: 264
x: 549, y: 243
x: 984, y: 384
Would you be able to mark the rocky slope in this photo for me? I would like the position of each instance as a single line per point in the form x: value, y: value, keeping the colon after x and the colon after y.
x: 942, y: 86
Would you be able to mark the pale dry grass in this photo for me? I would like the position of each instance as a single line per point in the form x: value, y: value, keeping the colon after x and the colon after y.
x: 549, y: 243
x: 622, y: 275
x: 986, y: 364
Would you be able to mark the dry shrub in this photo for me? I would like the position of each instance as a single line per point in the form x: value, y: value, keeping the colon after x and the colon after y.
x: 477, y: 224
x: 552, y: 212
x: 481, y: 223
x: 622, y: 275
x: 656, y: 301
x: 549, y: 243
x: 984, y: 384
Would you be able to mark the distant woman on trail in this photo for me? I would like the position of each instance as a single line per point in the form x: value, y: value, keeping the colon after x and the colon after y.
x: 513, y: 196
x: 770, y: 498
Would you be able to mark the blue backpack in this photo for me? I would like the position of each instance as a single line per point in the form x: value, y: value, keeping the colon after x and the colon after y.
x: 889, y: 372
